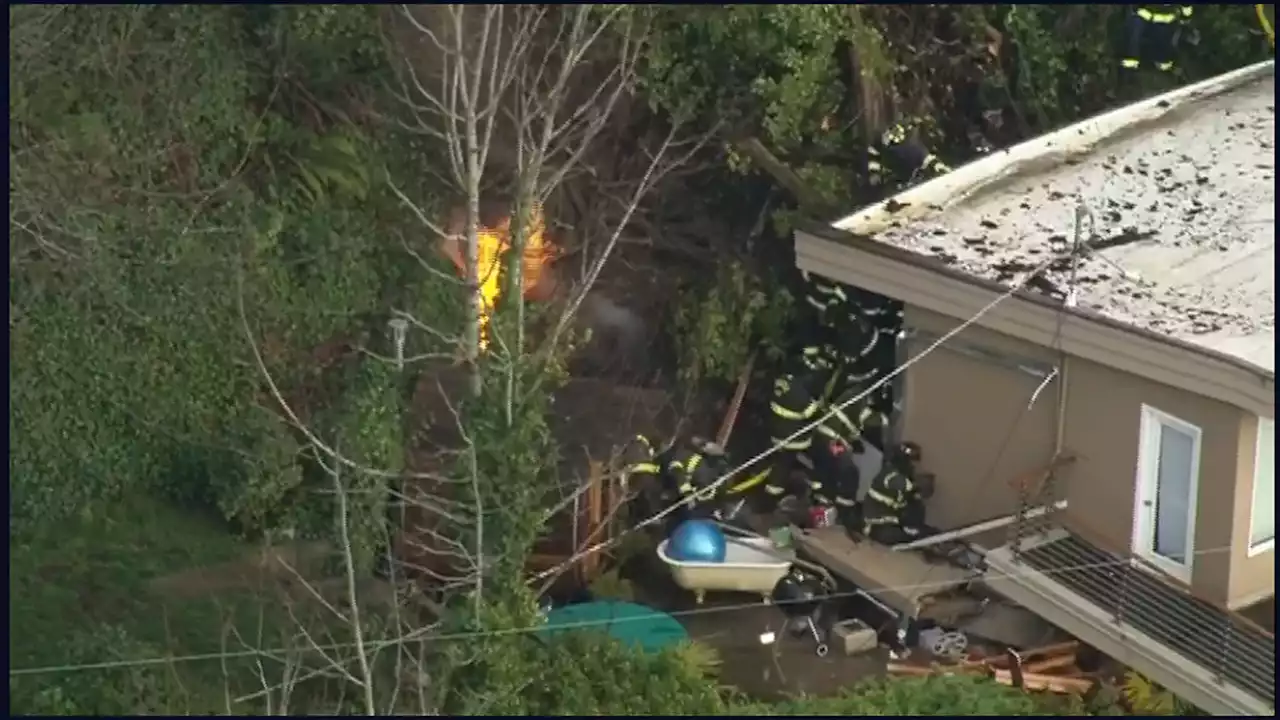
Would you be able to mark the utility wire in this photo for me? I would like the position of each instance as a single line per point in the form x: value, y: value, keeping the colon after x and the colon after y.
x: 420, y: 636
x: 658, y: 517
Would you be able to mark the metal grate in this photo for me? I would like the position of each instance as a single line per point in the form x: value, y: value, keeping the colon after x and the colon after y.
x: 1234, y: 650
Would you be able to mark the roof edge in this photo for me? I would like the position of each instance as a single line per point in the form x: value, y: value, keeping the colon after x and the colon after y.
x: 867, y: 244
x: 1052, y: 149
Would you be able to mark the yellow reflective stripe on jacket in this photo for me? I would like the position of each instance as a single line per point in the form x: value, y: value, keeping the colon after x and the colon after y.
x: 883, y: 499
x: 1160, y: 18
x: 827, y: 289
x: 894, y: 135
x: 933, y: 164
x: 686, y: 488
x: 797, y: 444
x: 749, y: 483
x: 867, y: 415
x: 855, y: 429
x: 644, y: 468
x: 789, y: 414
x: 694, y: 462
x: 882, y: 520
x: 829, y: 432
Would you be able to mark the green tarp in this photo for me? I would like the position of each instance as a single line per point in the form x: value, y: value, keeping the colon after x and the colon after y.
x: 628, y: 622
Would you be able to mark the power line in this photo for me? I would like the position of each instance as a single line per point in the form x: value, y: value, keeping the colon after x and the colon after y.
x: 1010, y: 292
x: 376, y: 645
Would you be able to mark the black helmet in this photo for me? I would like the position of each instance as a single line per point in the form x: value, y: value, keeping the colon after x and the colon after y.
x: 705, y: 446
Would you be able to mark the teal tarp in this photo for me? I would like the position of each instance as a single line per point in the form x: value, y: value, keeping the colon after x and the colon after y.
x: 628, y: 622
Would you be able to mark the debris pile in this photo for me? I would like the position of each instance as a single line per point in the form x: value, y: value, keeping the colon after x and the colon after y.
x: 1052, y: 668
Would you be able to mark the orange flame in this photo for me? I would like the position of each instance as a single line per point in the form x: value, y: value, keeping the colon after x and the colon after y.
x: 493, y: 243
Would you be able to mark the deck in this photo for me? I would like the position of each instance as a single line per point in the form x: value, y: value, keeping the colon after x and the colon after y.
x: 901, y: 580
x: 1206, y: 655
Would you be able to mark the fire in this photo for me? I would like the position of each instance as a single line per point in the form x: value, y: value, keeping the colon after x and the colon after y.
x: 493, y: 244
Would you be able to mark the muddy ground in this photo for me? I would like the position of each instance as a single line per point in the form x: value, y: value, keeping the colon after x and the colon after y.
x: 732, y: 624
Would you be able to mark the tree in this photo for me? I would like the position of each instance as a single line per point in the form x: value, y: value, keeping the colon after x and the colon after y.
x: 513, y: 101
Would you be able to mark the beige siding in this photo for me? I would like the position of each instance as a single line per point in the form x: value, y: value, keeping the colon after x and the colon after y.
x: 1102, y: 424
x: 1112, y: 373
x: 1252, y: 578
x: 971, y: 418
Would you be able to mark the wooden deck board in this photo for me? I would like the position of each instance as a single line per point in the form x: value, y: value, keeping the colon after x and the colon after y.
x: 901, y: 580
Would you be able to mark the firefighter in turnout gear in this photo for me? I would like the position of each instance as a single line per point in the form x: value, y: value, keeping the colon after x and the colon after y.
x: 825, y: 452
x: 898, y: 160
x: 679, y: 473
x: 847, y: 323
x: 1152, y: 34
x: 1266, y: 18
x: 795, y: 404
x: 893, y: 509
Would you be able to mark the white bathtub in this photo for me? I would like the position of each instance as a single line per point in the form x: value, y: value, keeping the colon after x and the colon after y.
x: 751, y: 565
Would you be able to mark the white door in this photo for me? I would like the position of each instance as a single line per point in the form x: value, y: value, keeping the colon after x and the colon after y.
x: 1166, y: 488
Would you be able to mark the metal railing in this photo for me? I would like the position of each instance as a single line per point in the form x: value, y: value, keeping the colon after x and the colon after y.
x: 1236, y: 651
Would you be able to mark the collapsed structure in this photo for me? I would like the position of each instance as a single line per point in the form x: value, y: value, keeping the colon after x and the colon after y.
x: 1116, y: 280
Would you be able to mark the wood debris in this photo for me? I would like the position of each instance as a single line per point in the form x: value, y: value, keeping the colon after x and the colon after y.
x: 1050, y: 668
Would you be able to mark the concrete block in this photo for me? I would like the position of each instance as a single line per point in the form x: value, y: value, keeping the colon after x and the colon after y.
x: 854, y: 637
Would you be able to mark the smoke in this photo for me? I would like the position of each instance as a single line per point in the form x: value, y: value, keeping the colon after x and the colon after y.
x: 617, y: 334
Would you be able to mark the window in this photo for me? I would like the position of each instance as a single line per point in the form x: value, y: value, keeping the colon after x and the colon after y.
x: 1262, y: 528
x: 1167, y: 488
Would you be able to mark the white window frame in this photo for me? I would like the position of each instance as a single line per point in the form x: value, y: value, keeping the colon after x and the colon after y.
x: 1266, y: 431
x: 1145, y: 487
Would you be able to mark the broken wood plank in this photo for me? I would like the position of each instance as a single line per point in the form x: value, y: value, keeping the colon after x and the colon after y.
x: 1052, y: 683
x: 735, y: 405
x: 1061, y: 661
x: 1068, y: 646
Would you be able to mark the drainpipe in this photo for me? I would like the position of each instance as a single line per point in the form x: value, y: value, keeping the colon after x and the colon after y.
x: 1078, y: 246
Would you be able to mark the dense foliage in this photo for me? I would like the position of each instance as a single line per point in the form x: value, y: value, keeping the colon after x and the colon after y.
x: 183, y: 185
x: 205, y: 254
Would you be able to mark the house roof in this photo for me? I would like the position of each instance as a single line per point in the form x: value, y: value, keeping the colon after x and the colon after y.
x: 1180, y: 199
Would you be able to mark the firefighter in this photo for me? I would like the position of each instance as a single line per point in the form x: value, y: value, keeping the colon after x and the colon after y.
x: 695, y: 471
x: 845, y: 328
x: 1268, y: 27
x: 855, y: 419
x: 857, y: 326
x: 898, y: 159
x: 893, y: 509
x: 1152, y: 35
x: 848, y: 420
x: 684, y: 472
x: 827, y: 450
x: 827, y: 299
x: 795, y: 403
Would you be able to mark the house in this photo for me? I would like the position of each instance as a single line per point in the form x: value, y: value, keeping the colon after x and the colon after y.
x: 1115, y: 282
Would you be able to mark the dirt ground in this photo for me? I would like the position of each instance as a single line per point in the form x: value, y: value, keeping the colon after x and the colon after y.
x: 732, y: 623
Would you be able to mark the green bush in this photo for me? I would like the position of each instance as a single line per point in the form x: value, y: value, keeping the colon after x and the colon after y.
x: 920, y: 697
x: 161, y: 182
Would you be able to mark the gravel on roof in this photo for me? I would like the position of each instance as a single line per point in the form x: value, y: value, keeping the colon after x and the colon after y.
x: 1183, y: 219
